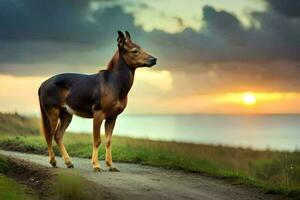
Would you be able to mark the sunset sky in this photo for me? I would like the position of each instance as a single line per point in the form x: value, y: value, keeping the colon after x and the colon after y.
x: 214, y: 56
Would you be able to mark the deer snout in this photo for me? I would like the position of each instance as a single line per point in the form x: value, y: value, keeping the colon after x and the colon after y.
x: 152, y: 61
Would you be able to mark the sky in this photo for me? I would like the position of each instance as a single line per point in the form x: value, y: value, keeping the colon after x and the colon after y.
x: 211, y: 53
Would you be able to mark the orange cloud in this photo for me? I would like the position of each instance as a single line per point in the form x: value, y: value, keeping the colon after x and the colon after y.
x: 155, y: 94
x: 19, y: 93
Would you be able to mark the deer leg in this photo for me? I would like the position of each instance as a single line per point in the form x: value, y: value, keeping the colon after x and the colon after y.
x: 65, y: 120
x: 109, y: 126
x: 98, y: 117
x: 53, y: 117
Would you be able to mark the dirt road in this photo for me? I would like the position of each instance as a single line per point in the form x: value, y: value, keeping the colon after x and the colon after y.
x: 144, y: 182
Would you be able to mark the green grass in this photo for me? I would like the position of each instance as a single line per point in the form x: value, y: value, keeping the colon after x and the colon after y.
x: 10, y: 189
x: 275, y: 172
x: 272, y: 171
x: 3, y: 165
x: 66, y: 186
x: 70, y: 186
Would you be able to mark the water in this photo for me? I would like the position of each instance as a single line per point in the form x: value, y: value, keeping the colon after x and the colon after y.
x: 280, y: 132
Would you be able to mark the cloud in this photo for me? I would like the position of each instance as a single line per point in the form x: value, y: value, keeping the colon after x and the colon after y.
x: 223, y: 38
x: 47, y: 20
x: 210, y: 78
x: 62, y: 21
x: 289, y: 8
x: 60, y: 24
x: 58, y: 33
x: 224, y: 54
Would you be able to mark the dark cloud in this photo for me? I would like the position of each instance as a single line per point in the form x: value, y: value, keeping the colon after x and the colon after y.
x: 58, y: 32
x: 290, y: 8
x: 59, y: 20
x: 65, y: 24
x: 48, y: 20
x: 70, y: 35
x: 221, y: 22
x: 223, y: 38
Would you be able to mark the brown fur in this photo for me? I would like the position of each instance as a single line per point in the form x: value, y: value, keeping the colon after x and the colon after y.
x: 101, y: 96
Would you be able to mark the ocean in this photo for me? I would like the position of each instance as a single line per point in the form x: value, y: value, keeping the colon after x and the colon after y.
x: 276, y: 132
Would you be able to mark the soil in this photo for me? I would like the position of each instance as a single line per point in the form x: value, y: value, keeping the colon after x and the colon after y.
x: 40, y: 181
x: 37, y: 179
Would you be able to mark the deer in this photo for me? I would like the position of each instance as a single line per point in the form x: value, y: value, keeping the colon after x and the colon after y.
x: 101, y: 97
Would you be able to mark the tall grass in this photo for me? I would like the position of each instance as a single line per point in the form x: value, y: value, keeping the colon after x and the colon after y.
x: 69, y: 186
x: 64, y: 186
x: 13, y: 123
x: 275, y: 171
x: 10, y: 189
x: 3, y: 165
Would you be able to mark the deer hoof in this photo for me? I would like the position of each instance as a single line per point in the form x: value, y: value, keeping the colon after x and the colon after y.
x: 53, y: 163
x: 113, y: 169
x: 97, y: 169
x: 69, y: 165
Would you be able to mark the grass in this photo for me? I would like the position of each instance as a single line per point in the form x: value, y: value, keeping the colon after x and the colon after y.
x: 10, y: 189
x: 13, y: 123
x: 70, y: 186
x: 275, y: 172
x: 272, y: 171
x: 65, y: 185
x: 3, y: 165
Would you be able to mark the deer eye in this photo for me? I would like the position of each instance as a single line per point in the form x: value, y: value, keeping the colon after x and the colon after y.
x: 135, y: 51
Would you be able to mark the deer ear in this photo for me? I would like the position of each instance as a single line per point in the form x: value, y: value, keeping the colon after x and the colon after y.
x: 121, y: 39
x: 127, y: 36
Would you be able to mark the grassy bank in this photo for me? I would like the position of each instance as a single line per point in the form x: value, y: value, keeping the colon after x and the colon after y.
x: 273, y: 171
x: 21, y: 180
x: 13, y: 123
x: 10, y: 189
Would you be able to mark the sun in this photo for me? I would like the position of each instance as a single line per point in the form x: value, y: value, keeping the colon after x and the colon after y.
x: 249, y: 98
